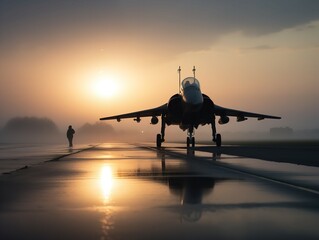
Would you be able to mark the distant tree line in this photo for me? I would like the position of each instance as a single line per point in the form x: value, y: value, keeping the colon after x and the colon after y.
x: 30, y: 125
x: 34, y: 129
x: 29, y: 129
x: 281, y: 131
x: 97, y: 132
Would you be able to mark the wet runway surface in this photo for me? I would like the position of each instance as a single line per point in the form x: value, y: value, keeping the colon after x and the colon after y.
x: 20, y: 156
x: 123, y: 191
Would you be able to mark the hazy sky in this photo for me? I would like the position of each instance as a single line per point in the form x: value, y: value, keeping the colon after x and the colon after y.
x: 252, y: 55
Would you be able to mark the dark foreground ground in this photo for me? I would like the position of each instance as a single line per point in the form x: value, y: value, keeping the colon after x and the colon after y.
x: 124, y: 191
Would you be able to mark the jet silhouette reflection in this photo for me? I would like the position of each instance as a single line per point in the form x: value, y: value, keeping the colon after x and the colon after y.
x: 189, y: 186
x: 191, y: 190
x: 216, y: 154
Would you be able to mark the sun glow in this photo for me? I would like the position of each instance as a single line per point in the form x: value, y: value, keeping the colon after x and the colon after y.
x: 105, y: 86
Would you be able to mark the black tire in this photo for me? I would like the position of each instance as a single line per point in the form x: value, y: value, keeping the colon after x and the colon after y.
x: 218, y: 140
x: 158, y: 140
x: 193, y: 142
x: 188, y: 141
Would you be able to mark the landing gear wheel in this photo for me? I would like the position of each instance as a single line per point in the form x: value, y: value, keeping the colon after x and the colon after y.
x: 193, y: 142
x: 188, y: 142
x: 158, y: 140
x: 218, y: 140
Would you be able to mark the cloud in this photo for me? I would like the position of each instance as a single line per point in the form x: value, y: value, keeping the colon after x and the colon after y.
x: 258, y: 48
x: 152, y: 26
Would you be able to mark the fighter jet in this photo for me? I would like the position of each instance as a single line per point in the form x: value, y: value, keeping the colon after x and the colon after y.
x: 189, y: 109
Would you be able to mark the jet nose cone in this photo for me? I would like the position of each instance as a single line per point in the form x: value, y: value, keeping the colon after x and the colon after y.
x: 194, y: 100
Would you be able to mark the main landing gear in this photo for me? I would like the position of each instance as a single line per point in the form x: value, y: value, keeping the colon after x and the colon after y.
x: 160, y: 137
x: 159, y: 140
x: 217, y: 138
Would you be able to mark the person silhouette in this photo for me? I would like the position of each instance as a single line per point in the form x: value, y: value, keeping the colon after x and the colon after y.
x: 69, y: 135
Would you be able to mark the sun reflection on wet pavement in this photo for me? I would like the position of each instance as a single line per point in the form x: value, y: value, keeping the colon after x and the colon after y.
x: 106, y: 181
x: 106, y: 185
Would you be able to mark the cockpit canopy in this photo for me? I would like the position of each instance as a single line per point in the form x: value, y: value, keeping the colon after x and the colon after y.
x: 190, y: 82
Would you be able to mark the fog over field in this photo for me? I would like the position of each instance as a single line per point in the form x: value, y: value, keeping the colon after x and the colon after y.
x: 44, y: 130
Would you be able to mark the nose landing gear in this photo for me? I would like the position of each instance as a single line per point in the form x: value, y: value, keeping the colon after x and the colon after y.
x: 190, y: 140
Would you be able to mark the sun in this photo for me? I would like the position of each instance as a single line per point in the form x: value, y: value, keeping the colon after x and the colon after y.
x: 105, y: 86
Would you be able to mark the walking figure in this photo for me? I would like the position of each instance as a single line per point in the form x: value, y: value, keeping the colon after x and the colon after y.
x: 69, y: 135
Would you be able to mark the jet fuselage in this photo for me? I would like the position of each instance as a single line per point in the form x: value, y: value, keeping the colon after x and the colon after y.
x: 190, y: 108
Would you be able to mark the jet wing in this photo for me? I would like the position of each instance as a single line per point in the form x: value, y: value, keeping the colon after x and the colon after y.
x: 241, y: 115
x: 145, y: 113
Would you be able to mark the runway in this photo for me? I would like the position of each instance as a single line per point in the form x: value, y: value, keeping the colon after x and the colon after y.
x: 135, y: 191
